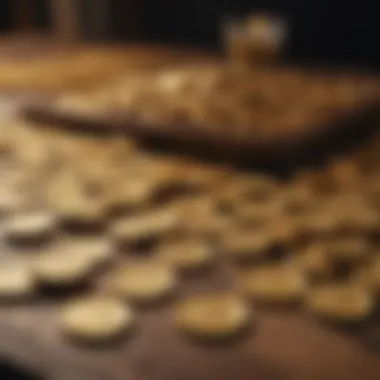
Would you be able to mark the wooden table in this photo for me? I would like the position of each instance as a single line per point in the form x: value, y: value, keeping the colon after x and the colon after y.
x: 42, y: 64
x: 283, y: 346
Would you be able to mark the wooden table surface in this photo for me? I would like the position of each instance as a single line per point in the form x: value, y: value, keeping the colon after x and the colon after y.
x: 43, y: 47
x: 40, y: 64
x: 282, y: 346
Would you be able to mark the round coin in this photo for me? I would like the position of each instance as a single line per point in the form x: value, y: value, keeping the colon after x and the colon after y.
x: 96, y: 319
x: 60, y: 268
x: 17, y: 280
x: 143, y: 282
x: 274, y: 284
x: 132, y: 229
x: 212, y: 315
x: 29, y: 226
x: 345, y: 303
x: 97, y: 250
x: 247, y: 245
x: 187, y: 255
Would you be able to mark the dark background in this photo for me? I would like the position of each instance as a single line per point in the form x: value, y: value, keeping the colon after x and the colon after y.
x: 320, y: 29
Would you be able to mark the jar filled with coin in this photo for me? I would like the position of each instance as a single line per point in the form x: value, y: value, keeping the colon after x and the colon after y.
x: 256, y: 39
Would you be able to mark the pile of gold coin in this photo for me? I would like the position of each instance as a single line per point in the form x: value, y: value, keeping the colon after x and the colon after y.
x: 224, y: 98
x: 309, y: 242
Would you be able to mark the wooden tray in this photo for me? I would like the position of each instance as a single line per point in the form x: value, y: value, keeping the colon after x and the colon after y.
x: 282, y: 149
x: 278, y: 146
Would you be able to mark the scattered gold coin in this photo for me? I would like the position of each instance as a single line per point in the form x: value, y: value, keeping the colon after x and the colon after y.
x: 355, y: 213
x: 370, y: 275
x: 340, y: 302
x: 212, y: 315
x: 314, y: 262
x: 274, y: 284
x: 187, y: 255
x: 349, y: 249
x: 61, y: 268
x: 254, y: 187
x: 282, y: 231
x: 296, y: 200
x: 17, y: 279
x: 96, y: 319
x: 97, y: 249
x: 76, y: 104
x: 138, y: 227
x: 321, y: 223
x: 11, y: 201
x: 30, y: 225
x: 247, y: 245
x: 143, y: 281
x: 126, y: 194
x: 80, y: 210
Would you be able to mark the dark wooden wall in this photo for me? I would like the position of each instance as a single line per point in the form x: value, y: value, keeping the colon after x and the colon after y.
x: 320, y: 29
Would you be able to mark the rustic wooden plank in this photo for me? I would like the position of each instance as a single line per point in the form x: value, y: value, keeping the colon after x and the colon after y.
x: 23, y: 15
x: 66, y: 22
x: 282, y: 345
x: 285, y: 346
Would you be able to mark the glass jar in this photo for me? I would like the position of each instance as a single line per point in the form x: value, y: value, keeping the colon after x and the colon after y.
x: 256, y: 39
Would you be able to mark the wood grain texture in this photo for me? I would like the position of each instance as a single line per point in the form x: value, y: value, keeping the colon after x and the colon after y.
x: 37, y: 63
x: 64, y: 14
x: 283, y: 346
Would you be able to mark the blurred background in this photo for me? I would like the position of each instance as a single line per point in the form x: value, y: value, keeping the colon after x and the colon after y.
x: 319, y: 30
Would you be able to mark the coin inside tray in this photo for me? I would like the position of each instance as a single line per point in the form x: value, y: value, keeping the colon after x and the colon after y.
x: 224, y: 112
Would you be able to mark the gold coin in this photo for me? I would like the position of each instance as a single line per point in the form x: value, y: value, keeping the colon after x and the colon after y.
x: 340, y: 302
x: 143, y: 281
x: 17, y: 279
x: 202, y: 216
x: 296, y: 200
x: 76, y: 104
x: 70, y: 202
x: 282, y: 231
x: 149, y: 225
x: 196, y: 175
x: 208, y: 225
x: 97, y: 249
x: 365, y: 220
x: 11, y: 201
x: 60, y: 268
x: 132, y: 193
x: 30, y: 225
x: 351, y: 249
x: 257, y: 213
x: 195, y: 207
x: 246, y: 245
x: 96, y: 319
x: 80, y: 210
x: 371, y: 275
x: 314, y: 262
x: 253, y: 187
x: 355, y: 213
x: 212, y: 315
x: 186, y: 255
x: 274, y: 284
x: 323, y: 222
